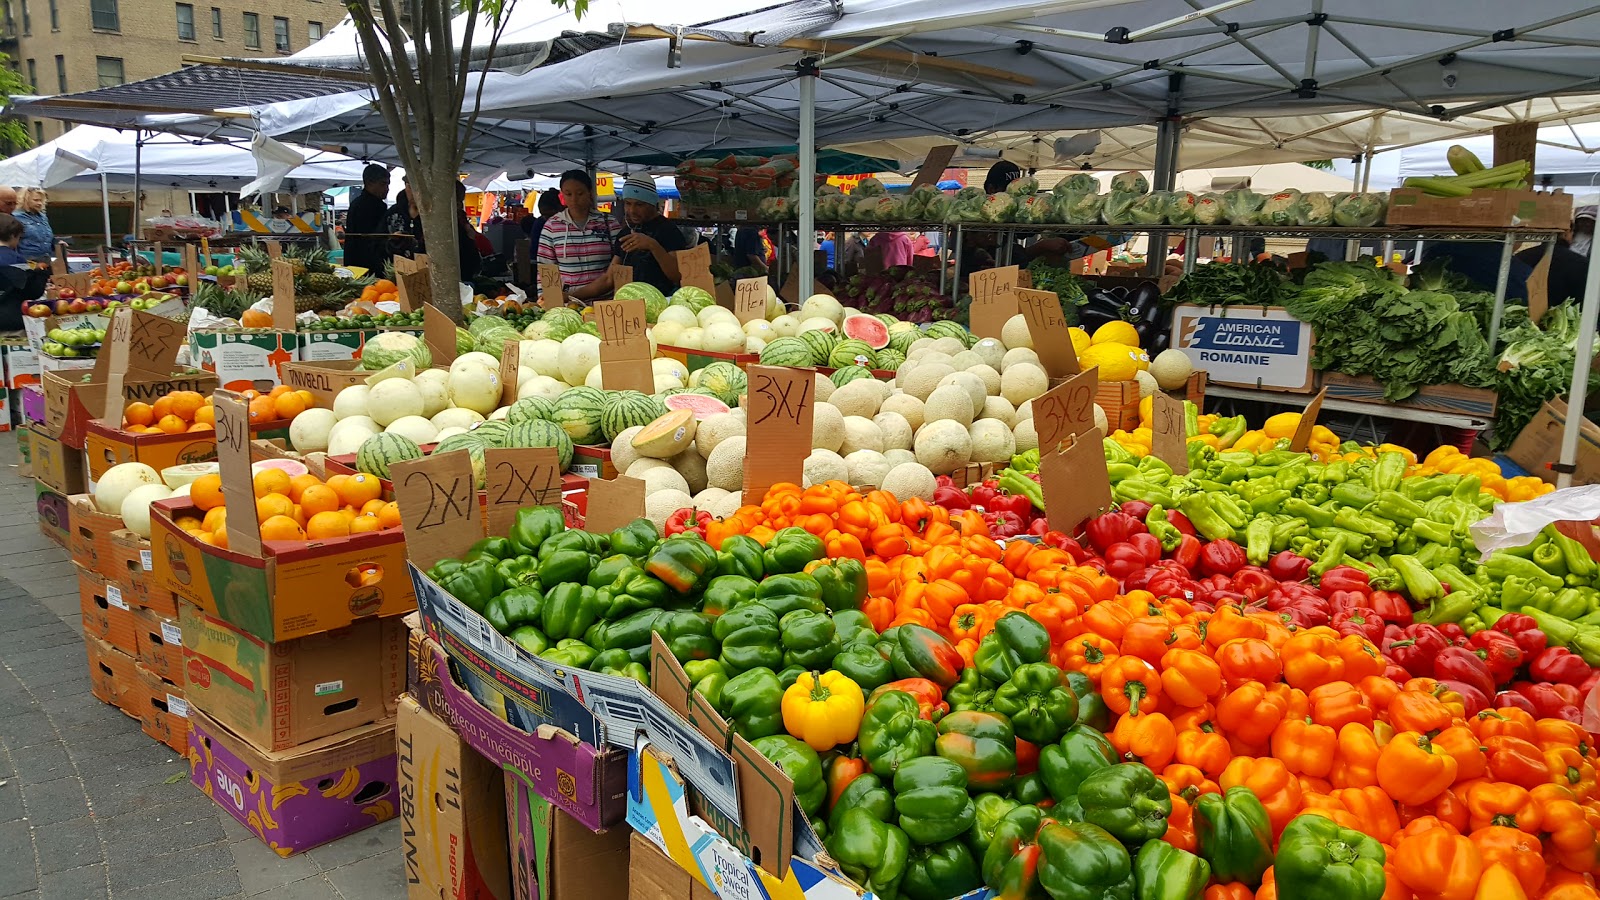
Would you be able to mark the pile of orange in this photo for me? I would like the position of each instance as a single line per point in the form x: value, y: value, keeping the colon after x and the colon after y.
x: 295, y: 508
x: 380, y: 290
x: 181, y: 411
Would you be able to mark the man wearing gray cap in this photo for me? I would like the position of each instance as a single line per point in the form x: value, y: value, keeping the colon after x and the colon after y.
x: 1569, y: 266
x: 646, y: 244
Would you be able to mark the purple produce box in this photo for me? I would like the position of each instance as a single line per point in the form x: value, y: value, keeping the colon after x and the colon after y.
x: 33, y: 404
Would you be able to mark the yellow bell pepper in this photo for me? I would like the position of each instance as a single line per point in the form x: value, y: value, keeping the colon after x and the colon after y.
x: 1210, y: 440
x: 1439, y: 454
x: 1282, y: 425
x: 1253, y: 441
x: 823, y: 710
x: 1146, y: 405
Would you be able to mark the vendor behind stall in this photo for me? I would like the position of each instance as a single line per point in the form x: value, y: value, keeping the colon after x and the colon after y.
x: 646, y: 243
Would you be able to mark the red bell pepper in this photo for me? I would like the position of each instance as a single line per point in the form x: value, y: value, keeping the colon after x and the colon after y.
x: 1253, y: 582
x: 1135, y: 508
x: 1012, y: 503
x: 1112, y: 528
x: 1558, y: 665
x: 1590, y: 683
x: 1453, y: 633
x: 1344, y: 578
x: 693, y: 521
x: 1473, y: 700
x: 1549, y: 700
x: 1004, y: 523
x: 1148, y: 545
x: 1499, y: 653
x: 1299, y: 610
x: 1359, y: 620
x: 1063, y: 541
x: 1392, y: 607
x: 1416, y: 649
x: 931, y: 704
x: 1222, y: 558
x: 1343, y: 601
x: 1123, y: 559
x: 949, y: 496
x: 1524, y: 630
x: 1039, y: 526
x: 1515, y: 699
x: 1181, y: 522
x: 1187, y: 553
x: 1461, y: 664
x: 1286, y: 565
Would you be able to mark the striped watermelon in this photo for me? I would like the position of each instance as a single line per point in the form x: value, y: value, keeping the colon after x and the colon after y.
x: 493, y: 432
x: 902, y: 340
x: 851, y: 352
x: 787, y: 351
x: 540, y: 433
x: 625, y: 409
x: 578, y: 411
x: 890, y: 359
x: 469, y: 442
x: 529, y: 408
x: 821, y: 344
x: 379, y: 452
x: 846, y: 374
x: 724, y: 379
x: 947, y: 328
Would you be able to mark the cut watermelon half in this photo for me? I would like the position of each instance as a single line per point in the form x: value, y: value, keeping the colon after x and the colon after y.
x: 867, y: 329
x: 702, y: 406
x: 290, y: 467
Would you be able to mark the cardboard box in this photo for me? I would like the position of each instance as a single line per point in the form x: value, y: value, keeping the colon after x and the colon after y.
x: 345, y: 464
x: 57, y: 465
x: 112, y: 673
x: 324, y: 378
x: 327, y: 346
x: 1247, y: 346
x: 652, y: 875
x: 1539, y: 446
x: 244, y: 359
x: 160, y: 642
x: 24, y: 453
x: 1120, y: 400
x: 52, y: 509
x: 89, y: 540
x: 297, y: 799
x: 132, y: 560
x: 162, y: 711
x: 1446, y: 398
x: 32, y: 403
x: 48, y: 363
x: 22, y: 367
x: 106, y: 613
x: 1482, y: 208
x: 452, y: 813
x: 35, y: 329
x: 106, y: 446
x: 592, y: 461
x: 280, y: 695
x: 554, y: 857
x: 70, y: 405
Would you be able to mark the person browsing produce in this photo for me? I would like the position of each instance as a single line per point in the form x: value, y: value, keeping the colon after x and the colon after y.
x: 367, y: 225
x: 38, y: 239
x: 646, y: 243
x: 576, y: 239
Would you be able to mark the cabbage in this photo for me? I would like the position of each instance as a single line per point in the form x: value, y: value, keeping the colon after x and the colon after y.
x: 1026, y: 186
x: 1358, y: 210
x: 1149, y: 209
x: 870, y: 187
x: 1080, y: 209
x: 827, y: 208
x: 1281, y: 208
x: 1209, y: 210
x: 935, y: 209
x: 916, y: 202
x: 1180, y: 208
x: 1118, y: 208
x: 828, y: 190
x: 1132, y: 182
x: 999, y: 208
x: 863, y: 209
x: 1036, y: 209
x: 1242, y: 206
x: 1314, y: 210
x: 390, y: 347
x: 775, y: 208
x: 889, y: 209
x: 966, y: 206
x: 1076, y: 183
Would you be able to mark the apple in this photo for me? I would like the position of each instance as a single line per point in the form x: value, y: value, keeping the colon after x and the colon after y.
x: 77, y: 306
x: 94, y: 305
x: 39, y: 310
x: 181, y: 281
x: 67, y: 294
x: 123, y: 287
x: 142, y: 288
x: 61, y: 307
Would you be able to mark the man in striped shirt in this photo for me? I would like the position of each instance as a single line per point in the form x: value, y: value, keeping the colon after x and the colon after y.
x: 577, y: 239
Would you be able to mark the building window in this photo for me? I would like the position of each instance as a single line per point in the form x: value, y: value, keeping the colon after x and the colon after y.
x: 252, y: 31
x: 38, y: 132
x: 216, y: 22
x: 55, y: 17
x: 314, y: 31
x: 27, y: 20
x: 33, y: 76
x: 280, y: 34
x: 109, y: 70
x: 185, y: 22
x: 104, y: 15
x: 61, y: 74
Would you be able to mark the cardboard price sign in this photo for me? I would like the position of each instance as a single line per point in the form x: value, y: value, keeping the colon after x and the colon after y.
x: 524, y: 261
x: 282, y: 295
x: 518, y: 477
x: 620, y: 275
x: 233, y: 464
x: 1076, y: 484
x: 140, y: 342
x: 551, y: 292
x: 439, y: 333
x: 750, y: 299
x: 779, y: 430
x: 414, y: 289
x: 510, y: 359
x: 274, y: 249
x: 1308, y: 421
x: 59, y: 264
x: 624, y: 349
x: 158, y: 258
x: 1169, y: 434
x: 1065, y: 410
x: 694, y: 268
x: 1048, y: 328
x: 994, y: 299
x: 438, y: 500
x: 613, y: 504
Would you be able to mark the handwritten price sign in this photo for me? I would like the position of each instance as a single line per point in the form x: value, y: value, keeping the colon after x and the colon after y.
x: 1169, y: 434
x: 1065, y: 410
x: 750, y: 299
x: 624, y: 348
x: 518, y: 477
x: 620, y: 321
x: 781, y: 408
x: 1048, y: 327
x: 233, y: 464
x: 438, y: 501
x: 994, y: 299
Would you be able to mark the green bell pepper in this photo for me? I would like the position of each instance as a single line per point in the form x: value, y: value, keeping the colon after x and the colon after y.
x: 844, y: 583
x: 608, y: 570
x: 530, y: 639
x: 983, y: 745
x: 863, y: 664
x: 1092, y: 709
x: 1081, y: 752
x: 688, y: 635
x: 893, y: 733
x: 1011, y: 861
x: 700, y: 669
x: 930, y: 794
x: 724, y: 592
x: 569, y: 609
x: 750, y: 638
x: 918, y: 652
x: 1127, y: 800
x: 635, y: 539
x: 865, y: 791
x: 969, y: 693
x: 1234, y: 835
x: 740, y: 554
x: 753, y: 702
x: 496, y: 548
x: 853, y: 627
x: 518, y: 570
x: 533, y: 525
x: 566, y: 567
x: 629, y: 631
x: 633, y: 590
x: 873, y: 853
x: 1030, y: 788
x: 514, y: 608
x: 939, y: 872
x: 633, y: 670
x: 1016, y: 639
x: 610, y: 659
x: 566, y: 540
x: 1318, y: 858
x: 783, y: 594
x: 1163, y: 872
x: 790, y: 550
x: 685, y: 562
x: 801, y: 764
x: 808, y: 639
x: 1038, y: 703
x: 988, y: 810
x: 572, y: 653
x: 1080, y: 861
x: 474, y: 582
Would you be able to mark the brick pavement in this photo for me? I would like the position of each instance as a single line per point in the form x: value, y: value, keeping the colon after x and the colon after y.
x: 91, y: 807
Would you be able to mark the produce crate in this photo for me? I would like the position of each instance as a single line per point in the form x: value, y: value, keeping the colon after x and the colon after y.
x: 1482, y: 208
x: 52, y: 507
x: 1444, y: 398
x: 328, y: 346
x: 89, y: 538
x: 245, y: 358
x: 58, y: 466
x: 106, y: 446
x: 1538, y: 447
x: 345, y: 464
x: 699, y: 359
x: 1120, y: 400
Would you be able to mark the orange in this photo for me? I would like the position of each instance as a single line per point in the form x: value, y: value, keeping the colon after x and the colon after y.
x: 215, y: 518
x: 271, y: 481
x: 359, y: 489
x: 370, y: 508
x: 325, y: 525
x: 318, y: 498
x: 206, y: 491
x: 205, y: 415
x: 139, y: 414
x: 306, y: 397
x: 184, y: 404
x: 161, y: 409
x: 364, y: 524
x: 390, y: 515
x: 273, y: 505
x: 170, y: 424
x: 205, y: 537
x: 263, y: 409
x: 249, y: 393
x: 299, y: 483
x: 220, y: 538
x: 188, y: 523
x: 279, y: 391
x: 281, y: 528
x: 288, y: 405
x: 201, y: 426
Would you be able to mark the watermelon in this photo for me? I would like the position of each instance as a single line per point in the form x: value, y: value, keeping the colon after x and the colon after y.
x: 492, y: 432
x: 578, y: 411
x: 847, y: 374
x: 701, y: 405
x: 379, y: 452
x: 493, y: 341
x: 887, y: 319
x: 528, y: 409
x: 625, y: 409
x: 481, y: 324
x: 723, y: 379
x: 821, y: 344
x: 464, y: 341
x: 654, y: 302
x: 868, y: 330
x: 540, y: 433
x: 851, y: 352
x: 787, y: 351
x: 470, y: 443
x: 901, y: 341
x: 947, y: 328
x: 692, y: 297
x: 890, y: 359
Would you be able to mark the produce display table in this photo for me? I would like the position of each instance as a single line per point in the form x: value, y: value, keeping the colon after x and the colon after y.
x: 1365, y: 412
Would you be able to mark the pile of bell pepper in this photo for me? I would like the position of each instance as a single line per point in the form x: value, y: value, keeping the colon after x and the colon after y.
x: 1011, y: 504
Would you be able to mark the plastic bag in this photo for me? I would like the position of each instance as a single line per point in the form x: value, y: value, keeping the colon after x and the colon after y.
x: 1359, y: 210
x: 1181, y: 208
x: 1242, y: 206
x: 1281, y: 208
x: 826, y: 208
x: 862, y: 209
x: 966, y: 205
x: 1076, y: 183
x: 1036, y: 209
x: 1149, y: 209
x: 889, y: 209
x: 1514, y: 525
x: 870, y: 187
x: 935, y: 209
x: 1209, y: 210
x: 1314, y: 210
x: 1026, y: 186
x: 1133, y: 182
x: 1118, y: 208
x: 999, y: 208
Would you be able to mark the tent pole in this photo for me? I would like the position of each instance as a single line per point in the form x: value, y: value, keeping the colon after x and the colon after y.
x: 1580, y: 375
x: 105, y: 210
x: 807, y: 238
x: 138, y: 153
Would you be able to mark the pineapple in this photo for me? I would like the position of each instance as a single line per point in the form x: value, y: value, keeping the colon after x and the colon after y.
x: 323, y: 282
x: 254, y: 259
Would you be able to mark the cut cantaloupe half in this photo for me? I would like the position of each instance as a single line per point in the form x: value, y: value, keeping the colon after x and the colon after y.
x: 667, y: 436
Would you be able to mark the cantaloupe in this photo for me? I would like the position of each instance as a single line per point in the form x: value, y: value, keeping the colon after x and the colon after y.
x: 1023, y: 382
x: 896, y: 431
x: 725, y: 465
x: 824, y: 465
x: 943, y: 445
x: 907, y: 405
x: 910, y: 479
x: 867, y: 468
x: 860, y: 433
x: 827, y: 427
x: 308, y: 433
x: 714, y: 430
x: 949, y: 401
x: 992, y: 441
x: 667, y: 436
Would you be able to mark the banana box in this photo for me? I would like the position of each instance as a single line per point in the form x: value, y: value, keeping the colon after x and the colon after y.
x: 556, y: 857
x: 106, y: 613
x: 133, y: 563
x: 112, y: 673
x: 302, y: 797
x: 160, y: 645
x: 159, y: 706
x: 89, y: 536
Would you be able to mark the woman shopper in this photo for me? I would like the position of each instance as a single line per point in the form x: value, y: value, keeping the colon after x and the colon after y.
x: 19, y: 282
x: 577, y: 239
x: 38, y: 239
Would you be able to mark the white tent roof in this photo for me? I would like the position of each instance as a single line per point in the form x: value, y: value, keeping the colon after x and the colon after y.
x: 83, y: 154
x: 1563, y: 151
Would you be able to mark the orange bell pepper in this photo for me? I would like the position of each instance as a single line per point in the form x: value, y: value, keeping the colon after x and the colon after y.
x: 1088, y: 653
x: 1438, y: 864
x: 1517, y: 761
x: 1463, y: 746
x: 1188, y: 781
x: 1251, y: 713
x: 1360, y: 658
x: 879, y: 610
x: 1204, y: 749
x: 1378, y: 690
x: 1570, y: 769
x: 1314, y: 804
x: 1337, y: 704
x: 1412, y: 770
x: 1560, y: 732
x: 1569, y: 833
x: 1129, y: 682
x: 1373, y: 809
x: 1108, y: 618
x: 1499, y: 882
x: 1231, y: 891
x: 1305, y: 747
x: 1189, y: 677
x: 1180, y: 825
x: 1451, y: 808
x: 1418, y: 711
x: 1147, y: 737
x: 1227, y: 624
x: 1271, y: 782
x: 1517, y: 850
x: 1248, y: 659
x: 1147, y: 637
x: 1311, y: 659
x: 1357, y: 763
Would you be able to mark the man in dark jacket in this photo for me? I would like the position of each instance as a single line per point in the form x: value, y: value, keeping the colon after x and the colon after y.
x: 369, y: 215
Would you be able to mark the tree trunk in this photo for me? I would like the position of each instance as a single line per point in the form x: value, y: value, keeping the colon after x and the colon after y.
x: 439, y: 210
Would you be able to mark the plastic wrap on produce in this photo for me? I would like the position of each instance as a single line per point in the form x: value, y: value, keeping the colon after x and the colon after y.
x: 1514, y: 525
